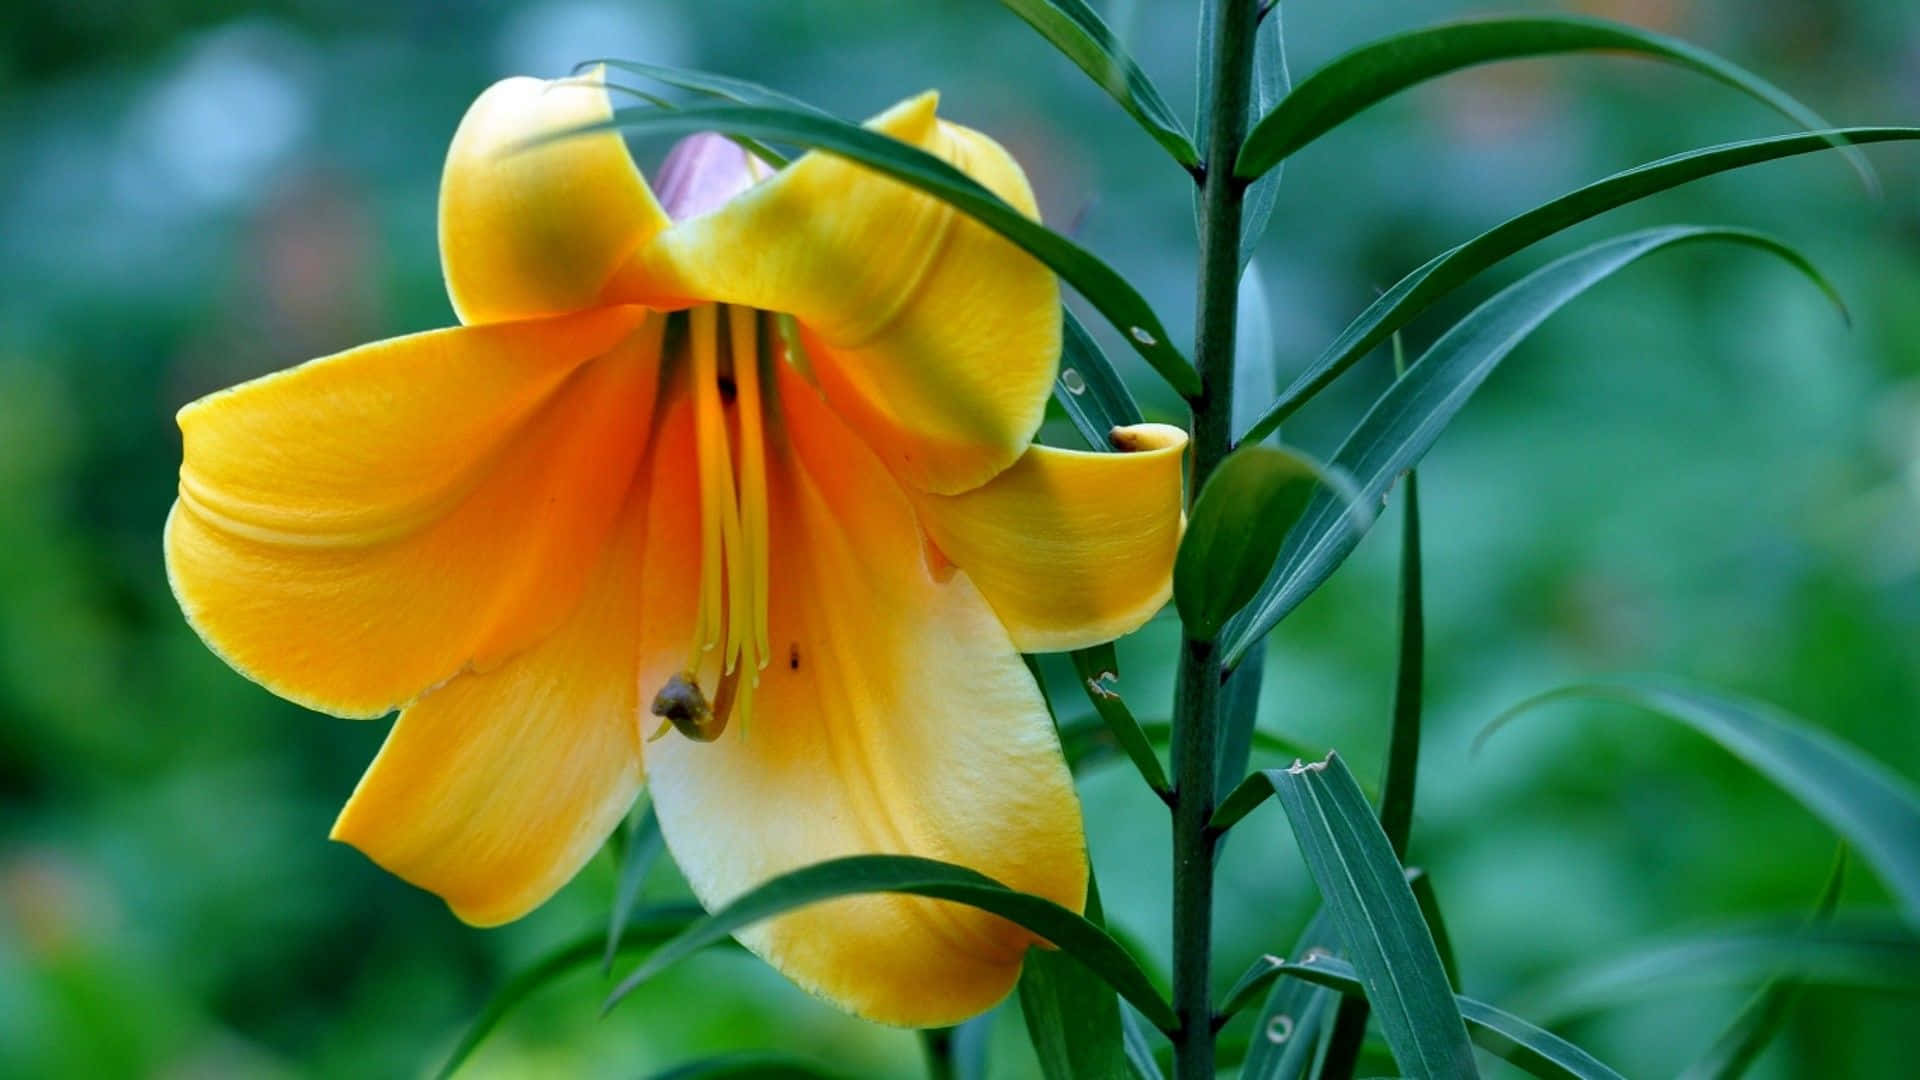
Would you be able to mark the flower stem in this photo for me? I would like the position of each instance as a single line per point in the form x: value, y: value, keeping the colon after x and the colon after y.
x: 1197, y: 694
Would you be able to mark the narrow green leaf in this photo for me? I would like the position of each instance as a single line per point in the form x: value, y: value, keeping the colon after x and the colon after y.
x: 1240, y: 725
x: 1073, y: 1019
x: 750, y: 1065
x: 725, y: 87
x: 1421, y: 883
x: 1088, y: 387
x: 1271, y: 84
x: 1256, y: 376
x: 1736, y: 1048
x: 1286, y: 1032
x: 1139, y: 1049
x: 1417, y: 291
x: 1080, y: 35
x: 1403, y: 742
x: 914, y: 876
x: 1859, y: 953
x: 1403, y: 424
x: 641, y: 851
x: 1876, y: 811
x: 1097, y: 672
x: 1235, y: 531
x: 1512, y: 1039
x: 1375, y: 915
x: 1361, y: 78
x: 647, y: 928
x: 1103, y: 287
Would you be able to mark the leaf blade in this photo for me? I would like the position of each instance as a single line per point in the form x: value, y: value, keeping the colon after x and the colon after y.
x: 1877, y: 813
x: 1404, y: 422
x: 1094, y: 396
x: 1084, y: 38
x: 911, y: 875
x: 1373, y: 911
x: 1417, y: 291
x: 1363, y: 77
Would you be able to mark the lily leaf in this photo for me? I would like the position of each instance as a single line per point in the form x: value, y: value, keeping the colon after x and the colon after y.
x: 1361, y: 78
x: 1286, y: 1033
x: 1736, y: 1048
x: 645, y: 929
x: 751, y: 1064
x: 1092, y: 393
x: 1403, y: 424
x: 1083, y: 38
x: 1417, y: 291
x: 1271, y: 84
x: 643, y: 848
x: 1877, y: 812
x: 1235, y: 531
x: 739, y: 91
x: 1096, y: 670
x: 1103, y: 287
x: 1877, y: 955
x: 915, y: 876
x: 1073, y: 1019
x: 1512, y: 1039
x: 1373, y: 911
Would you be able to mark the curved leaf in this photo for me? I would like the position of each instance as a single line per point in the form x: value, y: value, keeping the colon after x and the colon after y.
x: 739, y: 91
x: 1083, y: 38
x: 1088, y: 388
x: 915, y: 876
x: 645, y: 929
x: 1876, y: 811
x: 1073, y: 1019
x: 1375, y: 915
x: 1514, y: 1040
x: 1234, y: 531
x: 1096, y: 670
x: 1271, y: 84
x: 1417, y: 291
x: 1863, y: 954
x: 1736, y: 1048
x: 643, y: 846
x: 1361, y: 78
x: 750, y: 1065
x: 1286, y: 1031
x: 1103, y: 287
x: 1403, y: 424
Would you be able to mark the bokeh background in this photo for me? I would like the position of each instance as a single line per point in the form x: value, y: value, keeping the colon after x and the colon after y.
x: 1697, y: 470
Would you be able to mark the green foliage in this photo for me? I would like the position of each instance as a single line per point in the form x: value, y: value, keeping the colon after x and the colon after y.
x: 1375, y: 915
x: 1874, y: 810
x: 1073, y: 1019
x: 1088, y: 388
x: 1359, y: 79
x: 1082, y: 37
x: 857, y: 874
x: 1098, y: 670
x: 1238, y: 522
x: 1403, y: 424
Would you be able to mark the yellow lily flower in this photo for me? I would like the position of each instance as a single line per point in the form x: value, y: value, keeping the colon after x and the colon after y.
x: 755, y: 458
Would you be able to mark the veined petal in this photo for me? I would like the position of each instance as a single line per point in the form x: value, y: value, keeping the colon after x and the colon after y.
x: 529, y: 230
x: 936, y: 339
x: 1071, y: 548
x: 356, y: 530
x: 895, y: 718
x: 492, y: 790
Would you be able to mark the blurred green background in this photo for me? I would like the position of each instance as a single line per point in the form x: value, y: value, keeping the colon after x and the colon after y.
x: 1697, y: 470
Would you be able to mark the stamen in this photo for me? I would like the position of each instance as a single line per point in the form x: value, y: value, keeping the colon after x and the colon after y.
x: 722, y: 601
x: 746, y: 327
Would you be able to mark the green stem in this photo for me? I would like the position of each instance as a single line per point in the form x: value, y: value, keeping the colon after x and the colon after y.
x: 1197, y: 694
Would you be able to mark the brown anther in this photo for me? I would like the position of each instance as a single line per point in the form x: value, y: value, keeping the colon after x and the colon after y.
x: 682, y: 704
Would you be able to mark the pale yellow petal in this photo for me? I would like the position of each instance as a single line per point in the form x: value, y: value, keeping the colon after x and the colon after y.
x: 1071, y: 548
x: 895, y: 718
x: 935, y: 338
x: 493, y: 790
x: 356, y: 530
x: 528, y: 230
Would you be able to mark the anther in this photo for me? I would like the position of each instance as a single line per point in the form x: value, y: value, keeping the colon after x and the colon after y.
x: 681, y: 704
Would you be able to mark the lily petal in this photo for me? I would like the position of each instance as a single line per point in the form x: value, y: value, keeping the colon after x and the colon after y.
x: 1071, y: 548
x: 494, y: 789
x: 935, y: 338
x: 536, y: 229
x: 357, y: 530
x: 895, y: 718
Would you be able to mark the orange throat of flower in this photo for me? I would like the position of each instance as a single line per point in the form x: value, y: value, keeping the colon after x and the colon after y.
x: 725, y: 352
